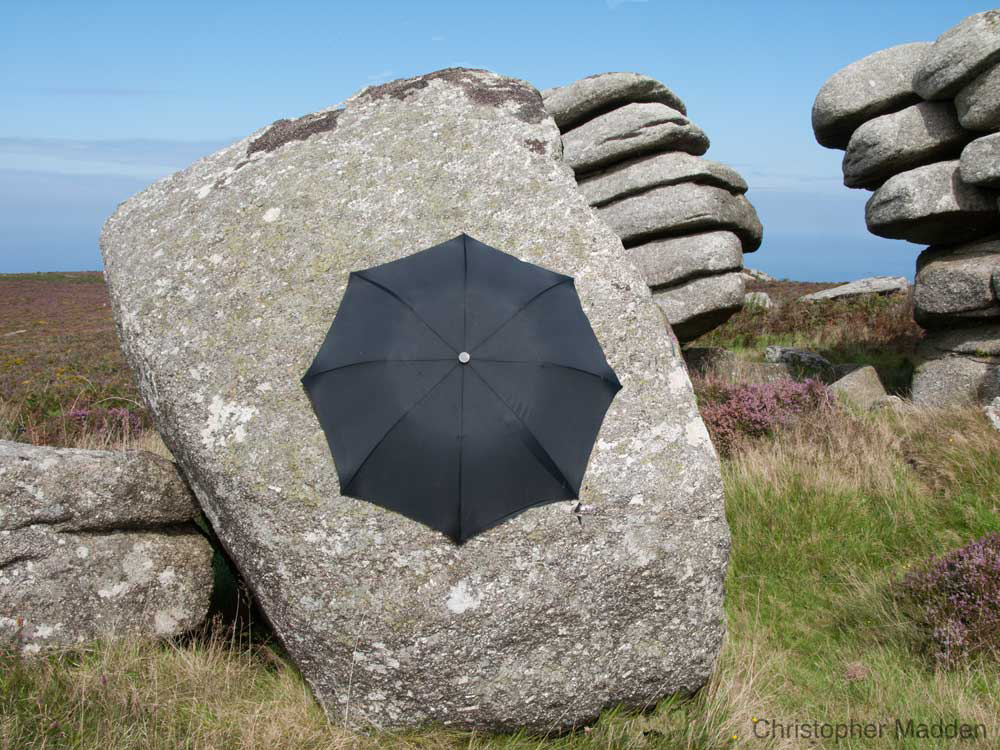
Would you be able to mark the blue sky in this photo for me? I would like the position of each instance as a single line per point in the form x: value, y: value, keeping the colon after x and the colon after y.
x: 100, y: 99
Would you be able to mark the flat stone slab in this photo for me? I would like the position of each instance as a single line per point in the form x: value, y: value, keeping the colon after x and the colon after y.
x: 699, y: 305
x: 754, y: 274
x: 959, y: 55
x: 96, y: 543
x: 675, y: 259
x: 683, y: 209
x: 978, y: 103
x: 980, y: 162
x: 887, y: 145
x: 638, y: 175
x: 594, y: 95
x: 224, y: 280
x: 874, y: 85
x: 956, y: 283
x: 883, y: 285
x: 931, y: 205
x: 629, y: 131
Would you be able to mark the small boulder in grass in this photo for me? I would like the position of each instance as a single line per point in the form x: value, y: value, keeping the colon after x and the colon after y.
x: 992, y: 412
x: 955, y: 599
x: 760, y: 300
x: 801, y: 362
x: 861, y: 386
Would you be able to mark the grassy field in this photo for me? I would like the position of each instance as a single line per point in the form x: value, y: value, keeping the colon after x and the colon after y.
x: 827, y: 515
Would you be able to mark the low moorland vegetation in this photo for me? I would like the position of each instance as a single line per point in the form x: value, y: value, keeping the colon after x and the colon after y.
x: 862, y: 586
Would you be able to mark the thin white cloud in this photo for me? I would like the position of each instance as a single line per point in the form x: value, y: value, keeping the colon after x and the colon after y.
x: 109, y: 91
x: 147, y: 159
x: 613, y: 4
x: 437, y: 38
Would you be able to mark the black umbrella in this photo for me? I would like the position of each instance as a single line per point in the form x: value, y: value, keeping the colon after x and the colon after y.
x: 459, y: 386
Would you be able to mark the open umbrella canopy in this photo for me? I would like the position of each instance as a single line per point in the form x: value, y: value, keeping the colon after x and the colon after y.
x: 460, y: 386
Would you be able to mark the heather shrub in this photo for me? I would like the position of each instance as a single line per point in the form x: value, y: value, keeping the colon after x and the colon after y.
x: 955, y: 600
x: 733, y: 412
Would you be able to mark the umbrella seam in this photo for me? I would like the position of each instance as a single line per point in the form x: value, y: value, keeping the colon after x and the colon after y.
x: 552, y: 364
x: 561, y: 474
x: 521, y: 309
x: 407, y: 305
x: 311, y: 375
x: 346, y: 486
x: 461, y: 442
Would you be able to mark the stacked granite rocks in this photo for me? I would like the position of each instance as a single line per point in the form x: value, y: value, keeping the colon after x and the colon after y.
x: 684, y: 220
x: 920, y: 126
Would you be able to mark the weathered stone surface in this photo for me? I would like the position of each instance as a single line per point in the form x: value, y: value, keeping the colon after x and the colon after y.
x: 682, y: 209
x: 957, y: 282
x: 979, y: 341
x: 594, y: 95
x: 959, y: 55
x: 978, y: 103
x: 699, y: 305
x: 638, y: 175
x: 884, y: 285
x: 980, y: 162
x: 675, y: 259
x: 758, y: 299
x: 931, y: 205
x: 872, y: 86
x: 94, y: 542
x: 861, y: 386
x: 630, y: 131
x: 801, y: 362
x: 958, y: 366
x: 950, y: 380
x: 223, y: 296
x: 885, y: 146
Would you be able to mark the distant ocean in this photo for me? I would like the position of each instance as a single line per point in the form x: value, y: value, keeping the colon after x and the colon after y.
x: 51, y: 222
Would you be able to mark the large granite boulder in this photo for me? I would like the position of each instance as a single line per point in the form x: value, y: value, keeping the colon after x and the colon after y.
x: 629, y: 131
x: 957, y: 284
x: 675, y: 259
x: 907, y: 153
x: 681, y: 209
x: 873, y: 86
x: 225, y: 278
x: 980, y: 162
x: 959, y: 55
x: 94, y: 543
x: 647, y: 172
x: 958, y: 366
x: 885, y: 146
x: 701, y: 304
x: 684, y: 219
x: 978, y: 103
x: 584, y: 99
x: 931, y: 204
